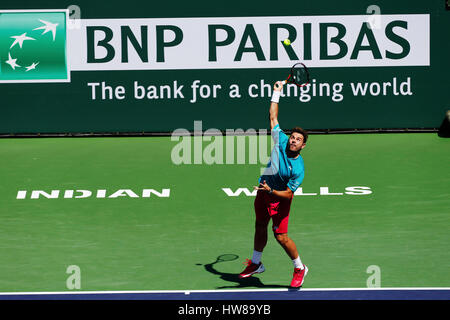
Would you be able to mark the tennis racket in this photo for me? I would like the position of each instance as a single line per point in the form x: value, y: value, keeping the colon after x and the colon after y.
x: 299, y: 75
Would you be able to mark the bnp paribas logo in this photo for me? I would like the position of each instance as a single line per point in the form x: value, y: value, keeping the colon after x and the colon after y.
x: 33, y: 46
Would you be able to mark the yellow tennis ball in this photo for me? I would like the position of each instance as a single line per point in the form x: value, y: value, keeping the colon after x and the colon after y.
x: 287, y: 42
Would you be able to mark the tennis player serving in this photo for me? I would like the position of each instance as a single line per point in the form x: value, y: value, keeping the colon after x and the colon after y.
x: 277, y: 184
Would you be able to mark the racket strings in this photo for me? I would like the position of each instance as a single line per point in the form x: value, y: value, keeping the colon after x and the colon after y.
x: 299, y: 75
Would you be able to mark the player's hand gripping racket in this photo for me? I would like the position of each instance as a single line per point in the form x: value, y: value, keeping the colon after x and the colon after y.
x: 299, y: 75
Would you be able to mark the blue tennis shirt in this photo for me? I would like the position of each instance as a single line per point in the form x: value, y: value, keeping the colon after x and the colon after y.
x: 282, y: 172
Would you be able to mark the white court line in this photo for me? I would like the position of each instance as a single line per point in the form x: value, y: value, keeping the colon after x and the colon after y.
x: 217, y: 291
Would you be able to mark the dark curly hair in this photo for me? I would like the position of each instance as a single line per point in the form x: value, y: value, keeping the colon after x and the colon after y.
x: 303, y: 132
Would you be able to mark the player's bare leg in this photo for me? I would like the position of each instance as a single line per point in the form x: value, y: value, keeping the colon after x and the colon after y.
x: 288, y: 245
x: 300, y: 270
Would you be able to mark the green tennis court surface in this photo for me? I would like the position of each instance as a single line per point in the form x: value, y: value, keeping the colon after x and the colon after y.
x: 168, y: 240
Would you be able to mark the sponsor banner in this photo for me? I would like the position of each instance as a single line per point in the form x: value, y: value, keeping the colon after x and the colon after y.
x: 33, y: 46
x: 250, y: 42
x: 156, y: 68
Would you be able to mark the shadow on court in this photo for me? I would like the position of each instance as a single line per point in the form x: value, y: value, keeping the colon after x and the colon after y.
x: 234, y: 277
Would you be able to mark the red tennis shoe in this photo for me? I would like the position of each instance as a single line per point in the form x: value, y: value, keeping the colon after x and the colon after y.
x: 251, y: 269
x: 299, y: 276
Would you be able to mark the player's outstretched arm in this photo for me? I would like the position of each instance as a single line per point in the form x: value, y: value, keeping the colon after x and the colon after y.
x: 273, y: 111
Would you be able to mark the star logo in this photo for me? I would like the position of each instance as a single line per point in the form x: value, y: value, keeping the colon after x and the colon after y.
x: 12, y: 62
x: 33, y: 46
x: 32, y: 67
x: 48, y: 27
x: 20, y: 39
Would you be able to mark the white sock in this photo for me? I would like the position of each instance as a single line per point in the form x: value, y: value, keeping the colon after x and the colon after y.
x: 256, y: 259
x: 298, y: 263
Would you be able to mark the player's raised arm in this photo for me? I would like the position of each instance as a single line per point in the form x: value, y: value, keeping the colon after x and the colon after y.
x: 273, y: 111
